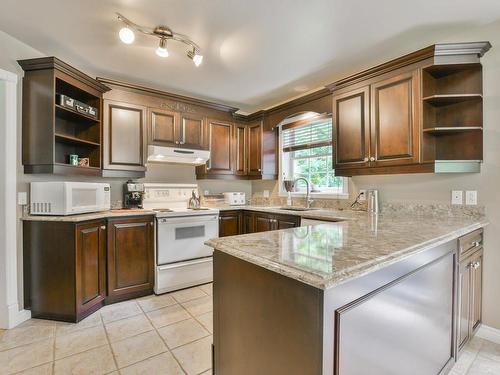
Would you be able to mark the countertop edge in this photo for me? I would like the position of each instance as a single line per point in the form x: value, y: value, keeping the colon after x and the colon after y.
x: 86, y: 217
x: 350, y: 273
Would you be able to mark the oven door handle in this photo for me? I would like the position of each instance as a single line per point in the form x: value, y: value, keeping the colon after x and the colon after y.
x: 192, y: 220
x: 179, y: 264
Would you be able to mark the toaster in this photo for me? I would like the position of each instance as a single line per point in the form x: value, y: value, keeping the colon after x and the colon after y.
x: 234, y: 198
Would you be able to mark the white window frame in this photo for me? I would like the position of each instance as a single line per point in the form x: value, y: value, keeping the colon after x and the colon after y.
x: 344, y: 194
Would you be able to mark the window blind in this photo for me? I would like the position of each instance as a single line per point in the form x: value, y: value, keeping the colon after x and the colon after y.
x: 313, y: 134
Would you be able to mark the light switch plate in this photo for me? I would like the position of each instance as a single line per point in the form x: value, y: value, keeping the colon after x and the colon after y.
x: 457, y: 197
x: 471, y: 197
x: 265, y: 193
x: 22, y: 198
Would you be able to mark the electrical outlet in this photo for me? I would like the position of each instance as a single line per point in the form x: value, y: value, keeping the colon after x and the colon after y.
x: 362, y: 197
x: 265, y: 193
x: 471, y: 197
x: 22, y: 198
x: 206, y: 192
x: 457, y: 197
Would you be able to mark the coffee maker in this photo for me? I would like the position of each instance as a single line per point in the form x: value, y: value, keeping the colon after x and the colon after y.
x: 133, y: 193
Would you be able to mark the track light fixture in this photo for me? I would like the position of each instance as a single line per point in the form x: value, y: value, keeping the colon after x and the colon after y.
x: 163, y: 33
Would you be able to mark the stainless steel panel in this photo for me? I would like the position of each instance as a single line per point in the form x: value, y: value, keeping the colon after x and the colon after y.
x: 402, y: 328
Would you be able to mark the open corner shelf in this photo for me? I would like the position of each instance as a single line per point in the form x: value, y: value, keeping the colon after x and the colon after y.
x: 446, y: 99
x: 72, y: 115
x: 451, y: 129
x: 75, y: 140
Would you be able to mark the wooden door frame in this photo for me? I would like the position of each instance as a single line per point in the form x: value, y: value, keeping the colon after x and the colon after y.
x: 10, y: 313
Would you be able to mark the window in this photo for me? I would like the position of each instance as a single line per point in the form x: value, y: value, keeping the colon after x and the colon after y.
x: 306, y: 151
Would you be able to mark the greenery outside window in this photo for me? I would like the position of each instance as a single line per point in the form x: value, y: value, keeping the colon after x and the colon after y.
x: 306, y: 151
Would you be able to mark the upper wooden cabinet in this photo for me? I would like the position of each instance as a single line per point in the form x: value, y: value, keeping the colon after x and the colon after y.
x: 174, y: 129
x: 395, y: 124
x: 352, y: 128
x: 163, y: 127
x: 254, y: 153
x: 418, y: 113
x: 241, y: 151
x: 124, y: 137
x: 193, y: 131
x: 220, y: 136
x: 55, y: 125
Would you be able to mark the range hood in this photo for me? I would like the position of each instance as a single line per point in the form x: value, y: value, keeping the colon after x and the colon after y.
x: 159, y: 154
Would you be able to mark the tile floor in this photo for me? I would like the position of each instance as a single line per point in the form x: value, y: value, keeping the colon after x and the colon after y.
x: 166, y: 335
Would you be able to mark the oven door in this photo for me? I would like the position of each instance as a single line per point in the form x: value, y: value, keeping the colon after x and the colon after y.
x: 182, y: 238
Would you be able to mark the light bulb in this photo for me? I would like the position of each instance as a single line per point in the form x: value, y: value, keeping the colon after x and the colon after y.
x: 162, y: 48
x: 127, y: 36
x: 197, y: 59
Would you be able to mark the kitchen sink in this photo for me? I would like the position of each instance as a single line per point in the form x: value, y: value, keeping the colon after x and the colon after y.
x: 298, y: 208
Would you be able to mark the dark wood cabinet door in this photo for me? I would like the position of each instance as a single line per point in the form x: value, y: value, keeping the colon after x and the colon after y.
x: 221, y: 150
x: 193, y: 131
x: 240, y: 143
x: 351, y: 129
x: 476, y: 288
x: 248, y: 223
x: 254, y: 153
x: 163, y: 127
x: 90, y: 265
x: 285, y: 222
x: 229, y: 223
x: 464, y: 287
x: 263, y: 222
x: 395, y: 121
x: 130, y: 257
x: 124, y: 136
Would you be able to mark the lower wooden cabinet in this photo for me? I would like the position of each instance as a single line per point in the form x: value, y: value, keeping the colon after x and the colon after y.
x: 130, y: 257
x: 90, y: 266
x: 470, y: 279
x: 230, y: 223
x: 73, y: 269
x: 236, y: 222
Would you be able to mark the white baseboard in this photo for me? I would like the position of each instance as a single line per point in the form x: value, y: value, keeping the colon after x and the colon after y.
x: 489, y: 333
x: 15, y: 317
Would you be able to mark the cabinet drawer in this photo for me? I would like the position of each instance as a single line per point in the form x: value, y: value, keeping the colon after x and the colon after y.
x: 470, y: 242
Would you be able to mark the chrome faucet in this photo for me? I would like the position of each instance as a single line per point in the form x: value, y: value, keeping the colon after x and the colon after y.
x: 308, y: 200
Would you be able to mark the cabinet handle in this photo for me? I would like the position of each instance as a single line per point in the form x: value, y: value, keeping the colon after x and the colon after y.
x: 476, y: 265
x: 151, y: 223
x: 475, y: 243
x: 103, y: 227
x: 372, y: 158
x: 176, y: 142
x: 260, y: 170
x: 366, y: 159
x: 182, y: 142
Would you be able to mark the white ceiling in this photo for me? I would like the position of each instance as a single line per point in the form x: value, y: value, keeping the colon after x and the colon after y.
x: 256, y: 53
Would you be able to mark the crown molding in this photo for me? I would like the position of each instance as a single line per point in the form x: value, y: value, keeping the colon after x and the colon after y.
x: 52, y: 62
x: 475, y: 49
x: 167, y: 95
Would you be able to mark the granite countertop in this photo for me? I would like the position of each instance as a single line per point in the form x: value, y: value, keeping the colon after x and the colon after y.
x: 326, y: 255
x: 90, y: 216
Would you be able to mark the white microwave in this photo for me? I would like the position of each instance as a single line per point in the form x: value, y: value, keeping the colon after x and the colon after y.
x: 69, y: 198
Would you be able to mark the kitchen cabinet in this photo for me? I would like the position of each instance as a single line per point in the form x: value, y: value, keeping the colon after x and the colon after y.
x: 241, y: 144
x: 72, y: 269
x: 220, y: 135
x: 230, y: 223
x: 394, y: 121
x: 124, y: 138
x: 173, y: 129
x: 255, y: 149
x: 64, y: 268
x: 351, y: 128
x: 420, y: 113
x: 130, y: 257
x: 236, y: 222
x: 90, y: 265
x: 470, y: 273
x: 53, y: 126
x: 163, y: 127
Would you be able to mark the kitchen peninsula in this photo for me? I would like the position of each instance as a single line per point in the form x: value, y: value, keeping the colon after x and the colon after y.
x: 359, y: 296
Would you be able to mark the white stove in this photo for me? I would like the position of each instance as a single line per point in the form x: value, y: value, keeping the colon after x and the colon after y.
x: 182, y: 258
